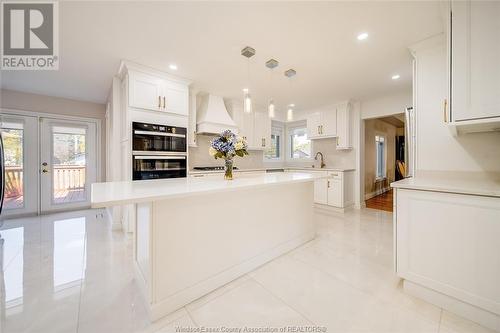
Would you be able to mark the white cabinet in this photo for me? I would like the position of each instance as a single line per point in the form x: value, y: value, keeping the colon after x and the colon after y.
x: 335, y: 190
x: 255, y: 126
x: 321, y: 191
x: 322, y: 124
x: 344, y: 126
x: 475, y: 52
x: 145, y: 91
x: 447, y: 245
x: 262, y: 130
x: 155, y: 93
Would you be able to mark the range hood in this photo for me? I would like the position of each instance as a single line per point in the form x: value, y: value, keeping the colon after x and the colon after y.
x: 212, y: 116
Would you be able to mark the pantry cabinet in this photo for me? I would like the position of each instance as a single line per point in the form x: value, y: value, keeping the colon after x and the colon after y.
x: 474, y: 54
x: 156, y: 93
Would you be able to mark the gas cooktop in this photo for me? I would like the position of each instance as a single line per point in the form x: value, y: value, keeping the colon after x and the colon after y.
x: 211, y: 168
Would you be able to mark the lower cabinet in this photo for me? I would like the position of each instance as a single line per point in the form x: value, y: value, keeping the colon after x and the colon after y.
x: 335, y: 191
x: 448, y: 252
x: 321, y: 191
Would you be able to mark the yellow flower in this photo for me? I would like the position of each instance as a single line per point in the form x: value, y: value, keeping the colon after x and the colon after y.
x: 239, y: 145
x: 212, y: 151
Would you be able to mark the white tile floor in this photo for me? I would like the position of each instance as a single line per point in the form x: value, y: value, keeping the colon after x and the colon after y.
x: 70, y: 273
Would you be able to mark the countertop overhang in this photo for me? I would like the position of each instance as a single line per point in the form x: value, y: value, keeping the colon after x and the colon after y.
x: 129, y: 192
x: 472, y: 183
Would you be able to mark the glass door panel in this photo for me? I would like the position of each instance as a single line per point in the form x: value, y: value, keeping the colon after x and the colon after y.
x: 19, y: 134
x: 68, y: 163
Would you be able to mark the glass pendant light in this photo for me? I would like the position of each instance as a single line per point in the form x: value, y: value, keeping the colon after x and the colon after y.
x: 247, y: 101
x: 270, y: 109
x: 247, y: 52
x: 289, y: 74
x: 271, y: 64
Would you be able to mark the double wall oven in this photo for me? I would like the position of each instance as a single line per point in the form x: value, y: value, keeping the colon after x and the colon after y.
x: 158, y: 151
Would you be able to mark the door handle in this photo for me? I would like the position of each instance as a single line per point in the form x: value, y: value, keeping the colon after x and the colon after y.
x: 45, y: 170
x: 445, y: 113
x: 159, y: 102
x: 328, y: 184
x: 164, y: 102
x: 318, y: 130
x: 321, y: 129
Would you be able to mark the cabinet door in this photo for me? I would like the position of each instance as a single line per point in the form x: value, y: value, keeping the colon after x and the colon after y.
x: 145, y: 91
x: 343, y: 127
x: 321, y: 191
x: 475, y: 51
x: 335, y: 193
x: 328, y: 126
x: 313, y: 125
x: 246, y: 124
x: 262, y: 130
x: 176, y: 98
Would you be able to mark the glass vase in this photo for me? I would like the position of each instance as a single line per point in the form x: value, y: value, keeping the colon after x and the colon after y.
x: 228, y: 169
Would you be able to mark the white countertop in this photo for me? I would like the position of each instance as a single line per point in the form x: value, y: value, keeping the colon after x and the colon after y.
x: 127, y: 192
x: 454, y: 182
x: 196, y: 172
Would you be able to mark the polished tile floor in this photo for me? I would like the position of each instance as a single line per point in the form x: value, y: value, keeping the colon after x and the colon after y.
x: 70, y: 273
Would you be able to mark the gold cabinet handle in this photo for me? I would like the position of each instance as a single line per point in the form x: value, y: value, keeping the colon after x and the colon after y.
x: 194, y: 136
x: 164, y: 102
x: 328, y: 184
x: 321, y: 129
x: 445, y: 111
x: 263, y: 142
x: 318, y: 130
x: 159, y: 102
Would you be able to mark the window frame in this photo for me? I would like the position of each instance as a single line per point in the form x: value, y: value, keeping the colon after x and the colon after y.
x: 277, y: 128
x: 383, y: 173
x: 289, y: 130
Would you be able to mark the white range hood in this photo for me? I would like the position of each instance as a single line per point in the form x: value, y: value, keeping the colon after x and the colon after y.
x: 212, y: 116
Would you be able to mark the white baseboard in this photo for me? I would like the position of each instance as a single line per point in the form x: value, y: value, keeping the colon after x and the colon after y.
x: 466, y: 310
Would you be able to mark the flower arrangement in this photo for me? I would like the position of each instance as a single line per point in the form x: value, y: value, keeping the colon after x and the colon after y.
x: 228, y: 145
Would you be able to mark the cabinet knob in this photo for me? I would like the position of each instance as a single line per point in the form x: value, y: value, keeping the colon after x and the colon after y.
x: 164, y: 102
x: 159, y: 102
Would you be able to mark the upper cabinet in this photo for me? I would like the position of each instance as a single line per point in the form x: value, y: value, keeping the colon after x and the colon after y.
x: 157, y: 93
x: 322, y: 124
x: 344, y: 125
x: 474, y: 55
x: 254, y: 127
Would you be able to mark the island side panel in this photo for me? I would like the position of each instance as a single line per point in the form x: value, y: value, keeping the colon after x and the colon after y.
x: 205, y: 241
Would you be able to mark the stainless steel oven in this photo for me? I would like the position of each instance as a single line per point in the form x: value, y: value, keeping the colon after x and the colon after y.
x: 159, y: 151
x: 158, y: 138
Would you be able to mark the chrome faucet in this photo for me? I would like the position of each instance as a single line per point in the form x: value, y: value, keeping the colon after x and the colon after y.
x: 322, y: 159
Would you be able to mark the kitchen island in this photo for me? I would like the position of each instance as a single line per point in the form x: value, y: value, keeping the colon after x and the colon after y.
x: 194, y: 235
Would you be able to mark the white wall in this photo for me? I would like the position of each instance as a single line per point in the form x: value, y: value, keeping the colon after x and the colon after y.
x: 437, y: 148
x: 387, y: 105
x: 17, y: 100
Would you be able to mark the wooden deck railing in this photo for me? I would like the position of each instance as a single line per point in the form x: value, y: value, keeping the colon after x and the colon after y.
x: 66, y: 177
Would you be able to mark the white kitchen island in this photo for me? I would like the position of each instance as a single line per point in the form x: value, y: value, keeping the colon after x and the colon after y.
x: 194, y: 235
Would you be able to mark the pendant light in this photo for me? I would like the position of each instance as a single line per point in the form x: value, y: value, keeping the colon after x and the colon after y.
x: 247, y: 52
x: 289, y: 74
x: 271, y: 64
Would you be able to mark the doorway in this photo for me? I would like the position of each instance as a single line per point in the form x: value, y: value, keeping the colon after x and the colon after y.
x: 384, y: 159
x: 49, y: 163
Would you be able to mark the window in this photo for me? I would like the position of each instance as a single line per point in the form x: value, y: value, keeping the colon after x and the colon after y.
x: 380, y: 154
x: 300, y: 145
x: 274, y: 151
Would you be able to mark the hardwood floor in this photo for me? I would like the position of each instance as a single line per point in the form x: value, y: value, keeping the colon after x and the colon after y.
x: 381, y: 202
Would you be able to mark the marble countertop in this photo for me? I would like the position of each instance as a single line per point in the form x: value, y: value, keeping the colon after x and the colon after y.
x: 454, y: 182
x: 128, y: 192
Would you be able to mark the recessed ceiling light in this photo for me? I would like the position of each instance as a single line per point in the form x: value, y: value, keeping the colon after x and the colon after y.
x: 245, y: 90
x: 173, y: 67
x: 292, y: 105
x: 395, y: 76
x: 363, y: 36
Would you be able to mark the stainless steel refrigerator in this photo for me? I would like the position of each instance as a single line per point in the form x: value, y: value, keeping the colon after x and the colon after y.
x: 410, y: 151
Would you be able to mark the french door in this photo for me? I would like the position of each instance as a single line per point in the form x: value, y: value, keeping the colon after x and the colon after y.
x: 50, y: 163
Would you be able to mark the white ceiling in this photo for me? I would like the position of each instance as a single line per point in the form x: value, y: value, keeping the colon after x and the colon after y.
x: 204, y: 39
